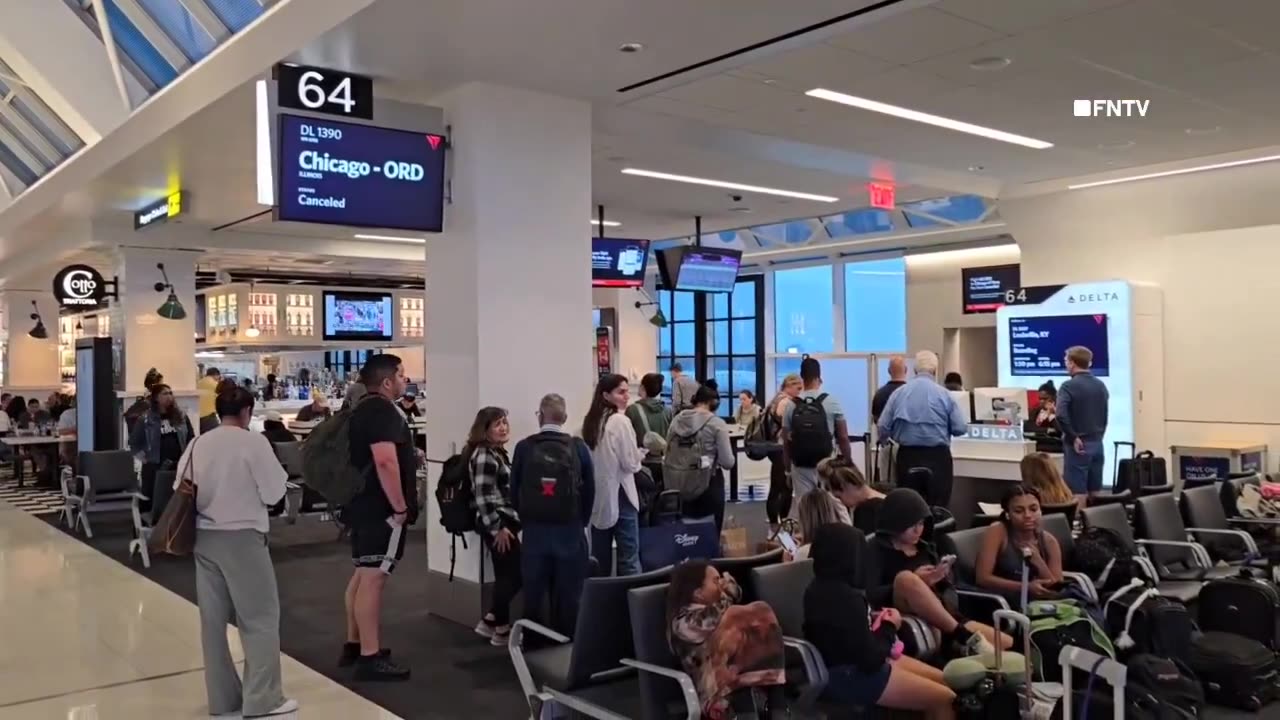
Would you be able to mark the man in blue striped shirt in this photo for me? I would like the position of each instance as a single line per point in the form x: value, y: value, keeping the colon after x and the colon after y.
x: 922, y: 417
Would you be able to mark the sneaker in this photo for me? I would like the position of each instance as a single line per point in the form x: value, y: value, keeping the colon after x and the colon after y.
x: 380, y: 669
x: 287, y: 707
x: 501, y: 637
x: 977, y: 645
x: 351, y: 653
x: 484, y: 629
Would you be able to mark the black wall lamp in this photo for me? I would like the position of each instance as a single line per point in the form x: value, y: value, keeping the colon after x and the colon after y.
x: 172, y: 308
x: 659, y: 318
x: 38, y: 332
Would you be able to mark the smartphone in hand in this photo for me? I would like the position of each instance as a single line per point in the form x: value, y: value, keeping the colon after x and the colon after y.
x: 788, y: 542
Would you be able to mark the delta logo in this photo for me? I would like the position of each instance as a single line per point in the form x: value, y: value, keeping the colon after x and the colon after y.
x: 1106, y: 296
x: 434, y: 141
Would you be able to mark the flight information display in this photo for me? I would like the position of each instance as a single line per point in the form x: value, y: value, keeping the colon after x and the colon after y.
x: 618, y: 263
x: 1038, y: 345
x: 339, y: 173
x: 985, y: 287
x: 711, y: 271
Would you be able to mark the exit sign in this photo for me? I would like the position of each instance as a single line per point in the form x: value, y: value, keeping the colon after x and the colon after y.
x: 881, y: 194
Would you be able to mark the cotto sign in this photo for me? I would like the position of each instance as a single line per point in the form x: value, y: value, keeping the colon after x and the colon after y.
x: 79, y: 286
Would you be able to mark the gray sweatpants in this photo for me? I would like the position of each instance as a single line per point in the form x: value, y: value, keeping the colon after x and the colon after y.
x: 235, y: 581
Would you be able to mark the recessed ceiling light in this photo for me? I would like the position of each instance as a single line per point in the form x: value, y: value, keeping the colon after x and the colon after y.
x: 740, y: 209
x: 631, y: 47
x: 928, y: 119
x: 729, y: 185
x: 989, y: 63
x: 1184, y: 171
x: 976, y: 168
x: 1196, y: 132
x: 1112, y: 147
x: 607, y: 223
x: 393, y: 238
x: 769, y: 81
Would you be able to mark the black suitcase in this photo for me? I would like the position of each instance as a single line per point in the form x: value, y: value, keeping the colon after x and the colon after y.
x: 1141, y: 469
x: 1246, y: 606
x: 1236, y: 672
x: 1159, y: 626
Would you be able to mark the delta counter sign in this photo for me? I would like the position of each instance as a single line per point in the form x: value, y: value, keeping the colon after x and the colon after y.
x: 341, y: 173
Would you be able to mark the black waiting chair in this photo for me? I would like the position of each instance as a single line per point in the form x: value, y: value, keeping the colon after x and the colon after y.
x: 740, y: 569
x: 1159, y: 528
x: 587, y: 667
x: 782, y: 587
x: 107, y: 482
x: 1115, y: 518
x: 1057, y: 525
x: 978, y: 604
x: 295, y: 496
x: 1208, y: 523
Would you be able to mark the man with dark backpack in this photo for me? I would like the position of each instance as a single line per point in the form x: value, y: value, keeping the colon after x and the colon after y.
x: 812, y: 426
x: 553, y: 489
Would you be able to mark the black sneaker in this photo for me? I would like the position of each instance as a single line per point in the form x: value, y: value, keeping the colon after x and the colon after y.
x: 380, y: 668
x: 351, y: 653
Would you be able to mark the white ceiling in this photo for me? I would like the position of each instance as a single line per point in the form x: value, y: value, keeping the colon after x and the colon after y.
x: 1202, y: 66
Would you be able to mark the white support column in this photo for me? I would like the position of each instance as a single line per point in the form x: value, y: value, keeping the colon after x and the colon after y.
x: 508, y: 303
x: 148, y: 340
x: 31, y: 364
x: 64, y: 63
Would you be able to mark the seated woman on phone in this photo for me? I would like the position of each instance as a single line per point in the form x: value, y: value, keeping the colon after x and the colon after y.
x: 859, y: 502
x: 815, y: 510
x: 914, y: 579
x: 1015, y: 539
x: 863, y: 655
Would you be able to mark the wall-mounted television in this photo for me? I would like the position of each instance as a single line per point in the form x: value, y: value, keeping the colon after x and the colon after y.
x: 618, y: 263
x: 984, y: 287
x: 357, y: 316
x: 692, y: 268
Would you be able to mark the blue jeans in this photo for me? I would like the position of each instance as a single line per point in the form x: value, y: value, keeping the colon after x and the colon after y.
x: 554, y: 563
x: 626, y: 532
x: 1083, y: 472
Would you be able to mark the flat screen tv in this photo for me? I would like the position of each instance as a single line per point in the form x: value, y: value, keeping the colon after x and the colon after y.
x: 699, y: 269
x: 984, y: 287
x: 357, y: 316
x: 618, y: 263
x: 338, y: 173
x: 1038, y: 345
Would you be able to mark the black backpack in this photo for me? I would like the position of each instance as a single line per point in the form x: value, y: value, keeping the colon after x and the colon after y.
x: 1243, y: 605
x: 811, y: 440
x: 1104, y: 556
x: 1156, y: 688
x: 1157, y: 625
x: 551, y: 483
x: 457, y: 502
x: 1237, y: 672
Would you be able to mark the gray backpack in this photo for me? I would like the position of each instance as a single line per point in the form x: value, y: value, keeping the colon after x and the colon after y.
x: 682, y: 467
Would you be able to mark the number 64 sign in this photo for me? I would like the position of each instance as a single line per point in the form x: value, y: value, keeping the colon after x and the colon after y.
x: 328, y: 92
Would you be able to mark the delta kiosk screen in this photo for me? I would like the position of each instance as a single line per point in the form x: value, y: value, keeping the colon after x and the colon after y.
x: 1038, y: 345
x: 340, y: 173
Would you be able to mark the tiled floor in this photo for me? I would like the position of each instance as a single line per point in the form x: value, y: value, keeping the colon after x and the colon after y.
x: 84, y: 638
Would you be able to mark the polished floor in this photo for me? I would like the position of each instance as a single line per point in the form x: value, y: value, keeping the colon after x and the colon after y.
x: 82, y: 637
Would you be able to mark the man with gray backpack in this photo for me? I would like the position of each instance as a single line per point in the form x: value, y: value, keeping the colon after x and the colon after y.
x: 698, y: 449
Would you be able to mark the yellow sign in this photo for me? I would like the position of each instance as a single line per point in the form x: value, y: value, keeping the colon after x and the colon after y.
x: 175, y: 204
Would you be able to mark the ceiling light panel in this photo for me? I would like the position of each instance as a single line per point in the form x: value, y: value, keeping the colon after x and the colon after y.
x: 1170, y: 173
x: 709, y: 182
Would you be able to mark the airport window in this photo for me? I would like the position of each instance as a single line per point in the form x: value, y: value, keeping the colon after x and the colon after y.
x: 677, y: 342
x: 875, y: 305
x: 176, y: 21
x: 803, y: 311
x: 236, y: 14
x: 136, y: 46
x: 959, y: 208
x: 735, y: 335
x: 858, y: 222
x: 787, y: 233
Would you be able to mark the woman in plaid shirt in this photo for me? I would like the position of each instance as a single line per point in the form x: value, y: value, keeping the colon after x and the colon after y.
x: 497, y: 522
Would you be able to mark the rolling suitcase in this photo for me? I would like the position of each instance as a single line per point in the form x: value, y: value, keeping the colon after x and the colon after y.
x: 1246, y: 606
x: 1139, y: 470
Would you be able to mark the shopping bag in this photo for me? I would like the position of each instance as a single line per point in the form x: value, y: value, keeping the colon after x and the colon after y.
x: 673, y: 542
x: 733, y: 541
x: 175, y: 532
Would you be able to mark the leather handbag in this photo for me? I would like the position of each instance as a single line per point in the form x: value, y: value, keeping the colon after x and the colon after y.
x: 175, y: 532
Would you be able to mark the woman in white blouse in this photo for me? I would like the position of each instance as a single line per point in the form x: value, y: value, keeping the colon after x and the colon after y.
x: 615, y: 516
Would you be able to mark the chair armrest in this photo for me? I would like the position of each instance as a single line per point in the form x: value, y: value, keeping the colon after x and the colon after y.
x: 1197, y: 550
x: 1148, y: 568
x: 1084, y: 581
x: 687, y: 689
x: 1253, y: 521
x: 815, y: 670
x: 515, y: 647
x: 986, y: 598
x: 563, y: 700
x: 1249, y: 543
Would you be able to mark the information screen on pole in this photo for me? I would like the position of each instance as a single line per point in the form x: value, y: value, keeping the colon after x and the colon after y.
x: 985, y: 287
x: 1038, y: 345
x: 339, y: 173
x: 699, y: 269
x: 618, y: 263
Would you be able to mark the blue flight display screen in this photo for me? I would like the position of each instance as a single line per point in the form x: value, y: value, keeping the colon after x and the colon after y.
x: 339, y: 173
x: 1038, y: 345
x: 710, y: 271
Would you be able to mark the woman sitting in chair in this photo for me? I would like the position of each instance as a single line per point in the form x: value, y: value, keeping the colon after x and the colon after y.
x: 913, y: 578
x: 860, y: 645
x: 1016, y: 539
x: 858, y: 499
x: 815, y: 510
x: 1040, y: 474
x: 724, y: 647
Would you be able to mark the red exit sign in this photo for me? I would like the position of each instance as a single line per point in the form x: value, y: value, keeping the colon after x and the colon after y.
x: 881, y: 195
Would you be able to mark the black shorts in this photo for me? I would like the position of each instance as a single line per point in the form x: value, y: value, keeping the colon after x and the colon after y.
x: 376, y: 543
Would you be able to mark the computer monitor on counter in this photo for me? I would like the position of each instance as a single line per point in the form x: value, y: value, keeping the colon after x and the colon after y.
x: 1000, y: 405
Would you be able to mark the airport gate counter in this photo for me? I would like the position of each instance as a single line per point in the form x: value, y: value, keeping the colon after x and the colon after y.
x: 986, y: 462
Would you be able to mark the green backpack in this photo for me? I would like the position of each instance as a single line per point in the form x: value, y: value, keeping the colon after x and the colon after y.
x: 1056, y: 624
x: 326, y: 460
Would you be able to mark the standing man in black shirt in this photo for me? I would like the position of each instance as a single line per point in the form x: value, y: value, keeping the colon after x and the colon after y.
x: 1082, y: 416
x: 381, y: 443
x: 897, y: 378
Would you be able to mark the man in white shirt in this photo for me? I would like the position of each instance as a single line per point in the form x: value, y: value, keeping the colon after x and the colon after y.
x: 237, y: 477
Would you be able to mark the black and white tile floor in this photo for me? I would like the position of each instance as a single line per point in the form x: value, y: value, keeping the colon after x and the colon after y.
x: 29, y: 498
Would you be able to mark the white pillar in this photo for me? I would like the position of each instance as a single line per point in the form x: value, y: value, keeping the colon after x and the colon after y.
x: 148, y: 340
x: 508, y: 300
x: 31, y: 365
